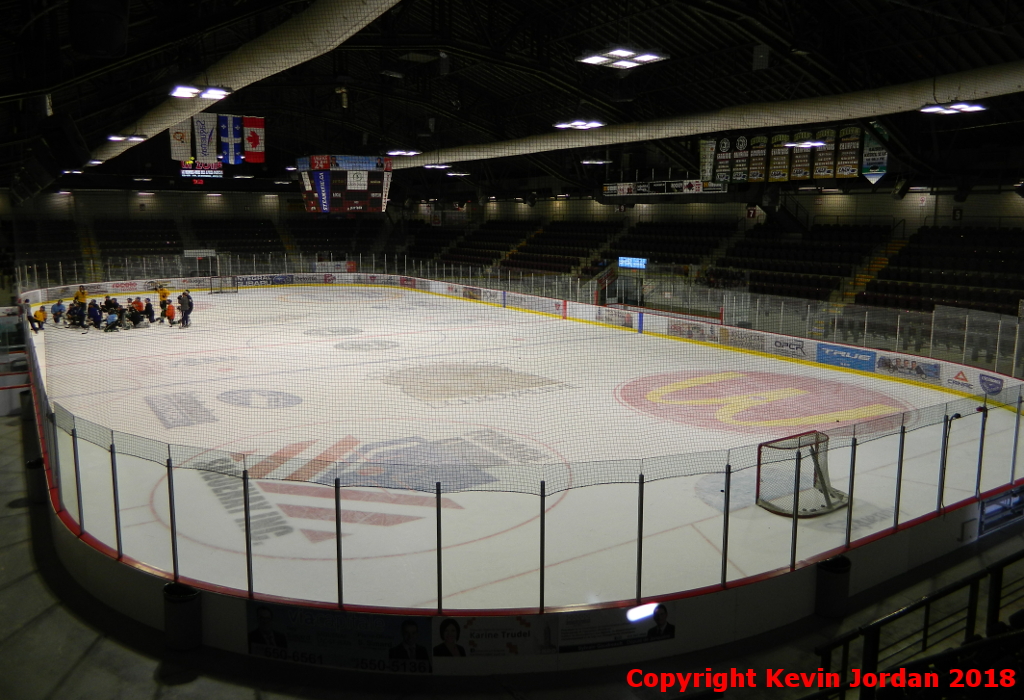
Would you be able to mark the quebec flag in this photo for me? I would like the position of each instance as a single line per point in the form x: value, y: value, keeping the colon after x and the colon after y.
x: 230, y: 139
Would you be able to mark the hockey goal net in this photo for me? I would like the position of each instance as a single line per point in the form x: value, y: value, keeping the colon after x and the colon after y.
x: 792, y: 476
x: 220, y: 285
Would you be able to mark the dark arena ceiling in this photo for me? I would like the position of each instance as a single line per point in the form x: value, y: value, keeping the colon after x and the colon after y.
x: 443, y: 74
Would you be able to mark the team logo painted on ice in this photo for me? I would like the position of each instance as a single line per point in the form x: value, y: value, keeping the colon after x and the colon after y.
x: 750, y: 402
x: 388, y: 505
x: 259, y: 398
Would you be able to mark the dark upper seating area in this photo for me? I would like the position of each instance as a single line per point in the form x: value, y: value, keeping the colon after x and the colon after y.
x: 130, y: 237
x: 238, y: 235
x: 46, y: 241
x: 334, y: 237
x: 810, y: 265
x: 672, y: 243
x: 490, y: 243
x: 425, y: 242
x: 970, y: 267
x: 561, y: 246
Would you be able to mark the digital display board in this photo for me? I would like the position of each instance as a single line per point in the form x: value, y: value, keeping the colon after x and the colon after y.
x: 633, y: 263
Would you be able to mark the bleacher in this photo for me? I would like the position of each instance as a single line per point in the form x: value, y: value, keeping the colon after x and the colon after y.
x: 561, y: 246
x: 131, y: 237
x: 490, y: 243
x: 245, y: 236
x: 672, y: 243
x: 969, y: 267
x: 46, y: 241
x: 334, y: 237
x: 810, y: 265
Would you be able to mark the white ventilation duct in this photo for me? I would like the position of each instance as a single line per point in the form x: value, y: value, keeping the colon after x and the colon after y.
x: 322, y: 27
x: 968, y: 86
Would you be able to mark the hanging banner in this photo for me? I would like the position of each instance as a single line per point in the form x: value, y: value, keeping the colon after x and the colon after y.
x: 707, y: 159
x: 800, y: 161
x: 848, y: 161
x: 206, y: 137
x: 254, y: 139
x: 778, y: 166
x: 723, y: 159
x: 740, y: 159
x: 875, y: 159
x: 825, y: 156
x: 230, y: 128
x: 181, y: 140
x: 758, y: 158
x: 322, y: 187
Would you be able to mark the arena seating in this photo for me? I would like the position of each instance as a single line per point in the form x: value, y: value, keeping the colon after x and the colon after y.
x: 135, y: 237
x: 425, y: 242
x: 672, y: 243
x: 561, y: 246
x: 810, y: 265
x: 490, y: 243
x: 970, y: 267
x: 334, y: 237
x: 245, y: 236
x: 47, y: 241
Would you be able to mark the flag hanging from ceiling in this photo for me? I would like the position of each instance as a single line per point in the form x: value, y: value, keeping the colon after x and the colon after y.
x: 181, y: 140
x: 253, y: 135
x: 206, y: 137
x: 230, y: 128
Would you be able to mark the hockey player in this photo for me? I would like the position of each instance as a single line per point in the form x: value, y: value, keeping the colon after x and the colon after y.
x: 185, y: 306
x: 164, y: 301
x: 81, y: 296
x: 58, y: 310
x: 148, y: 312
x: 38, y: 319
x: 169, y: 312
x: 95, y: 314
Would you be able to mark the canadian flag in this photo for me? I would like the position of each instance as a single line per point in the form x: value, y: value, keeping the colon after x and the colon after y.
x: 254, y: 147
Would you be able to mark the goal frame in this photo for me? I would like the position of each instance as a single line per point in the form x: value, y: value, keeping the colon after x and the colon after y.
x: 810, y: 445
x: 224, y: 284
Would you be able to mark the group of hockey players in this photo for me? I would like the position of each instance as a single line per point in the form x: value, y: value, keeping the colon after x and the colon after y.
x: 110, y: 315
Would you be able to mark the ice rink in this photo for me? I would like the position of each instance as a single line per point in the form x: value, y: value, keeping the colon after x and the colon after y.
x: 391, y: 390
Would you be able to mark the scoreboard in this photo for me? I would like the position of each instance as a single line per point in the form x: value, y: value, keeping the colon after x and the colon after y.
x: 345, y: 184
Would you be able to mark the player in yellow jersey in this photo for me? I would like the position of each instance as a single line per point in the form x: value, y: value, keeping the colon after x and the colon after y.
x: 164, y: 296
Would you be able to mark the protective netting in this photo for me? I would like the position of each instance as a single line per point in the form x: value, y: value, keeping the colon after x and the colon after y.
x: 396, y: 382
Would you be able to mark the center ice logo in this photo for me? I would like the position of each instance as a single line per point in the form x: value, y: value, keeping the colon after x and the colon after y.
x: 750, y: 402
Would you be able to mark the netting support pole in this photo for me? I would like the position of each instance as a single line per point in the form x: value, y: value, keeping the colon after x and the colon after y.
x: 543, y: 515
x: 56, y: 464
x: 849, y: 496
x: 1017, y: 434
x: 725, y: 523
x: 117, y: 497
x: 437, y: 488
x: 899, y: 479
x: 981, y: 447
x: 942, y: 461
x: 78, y: 481
x: 337, y: 539
x: 248, y: 531
x: 967, y: 325
x: 639, y: 536
x: 173, y: 517
x: 796, y: 512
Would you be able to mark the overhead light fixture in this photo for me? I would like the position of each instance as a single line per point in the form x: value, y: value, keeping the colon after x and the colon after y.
x: 290, y: 167
x: 282, y: 182
x: 214, y: 93
x: 595, y: 161
x: 804, y: 144
x: 244, y: 177
x: 185, y: 91
x: 404, y: 153
x: 437, y: 166
x: 95, y: 162
x: 457, y: 174
x: 621, y: 57
x: 579, y: 124
x: 142, y: 179
x: 63, y: 192
x: 72, y: 172
x: 146, y: 194
x: 134, y: 138
x: 213, y: 194
x: 953, y: 108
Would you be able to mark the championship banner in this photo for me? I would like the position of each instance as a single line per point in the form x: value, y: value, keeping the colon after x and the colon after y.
x: 875, y: 159
x: 206, y: 137
x: 800, y: 163
x: 254, y: 139
x: 778, y: 166
x: 740, y: 159
x: 825, y: 156
x: 230, y: 128
x: 181, y: 140
x: 322, y: 187
x: 707, y: 159
x: 723, y: 159
x: 848, y: 162
x: 758, y: 158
